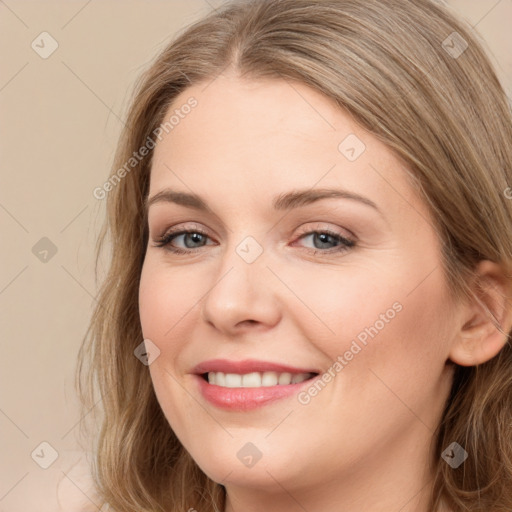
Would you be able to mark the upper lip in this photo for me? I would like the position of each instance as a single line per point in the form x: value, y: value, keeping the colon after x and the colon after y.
x: 246, y: 366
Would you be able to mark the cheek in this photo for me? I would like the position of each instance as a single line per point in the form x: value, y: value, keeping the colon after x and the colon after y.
x: 166, y: 299
x: 333, y: 309
x: 384, y: 327
x: 165, y: 312
x: 403, y: 350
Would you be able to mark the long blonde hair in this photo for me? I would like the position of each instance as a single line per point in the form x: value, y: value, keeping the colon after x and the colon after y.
x: 418, y: 79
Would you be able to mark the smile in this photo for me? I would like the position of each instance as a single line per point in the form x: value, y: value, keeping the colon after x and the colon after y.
x: 255, y: 379
x: 240, y: 386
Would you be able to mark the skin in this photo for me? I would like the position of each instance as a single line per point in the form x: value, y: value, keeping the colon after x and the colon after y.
x: 362, y: 443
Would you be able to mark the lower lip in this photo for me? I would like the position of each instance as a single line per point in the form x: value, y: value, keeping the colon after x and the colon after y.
x: 246, y: 399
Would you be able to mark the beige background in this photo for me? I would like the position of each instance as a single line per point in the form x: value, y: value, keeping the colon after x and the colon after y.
x: 60, y: 118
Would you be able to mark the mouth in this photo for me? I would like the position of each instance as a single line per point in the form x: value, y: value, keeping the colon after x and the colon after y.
x: 257, y: 391
x: 250, y: 383
x: 255, y: 379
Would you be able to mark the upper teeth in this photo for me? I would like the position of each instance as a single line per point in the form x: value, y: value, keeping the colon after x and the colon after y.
x: 255, y: 379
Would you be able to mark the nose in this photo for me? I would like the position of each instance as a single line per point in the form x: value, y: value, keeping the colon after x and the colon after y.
x: 242, y: 295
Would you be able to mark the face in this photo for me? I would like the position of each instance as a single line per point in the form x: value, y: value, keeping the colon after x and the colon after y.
x: 279, y: 280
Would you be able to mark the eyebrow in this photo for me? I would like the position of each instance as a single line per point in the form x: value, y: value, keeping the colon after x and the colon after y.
x: 285, y: 201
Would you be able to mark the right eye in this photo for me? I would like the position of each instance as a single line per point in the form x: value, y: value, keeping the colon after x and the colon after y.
x: 190, y: 238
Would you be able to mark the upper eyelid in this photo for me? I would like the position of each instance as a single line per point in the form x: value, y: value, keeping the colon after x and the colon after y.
x: 317, y: 226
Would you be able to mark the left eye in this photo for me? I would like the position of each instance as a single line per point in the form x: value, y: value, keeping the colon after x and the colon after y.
x: 327, y: 237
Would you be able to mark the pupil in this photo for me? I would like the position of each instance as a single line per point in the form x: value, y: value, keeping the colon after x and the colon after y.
x: 324, y: 238
x: 196, y: 237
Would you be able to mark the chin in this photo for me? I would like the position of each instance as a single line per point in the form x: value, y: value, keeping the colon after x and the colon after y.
x: 241, y: 463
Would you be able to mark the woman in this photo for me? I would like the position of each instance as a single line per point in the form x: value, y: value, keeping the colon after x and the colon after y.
x: 308, y: 305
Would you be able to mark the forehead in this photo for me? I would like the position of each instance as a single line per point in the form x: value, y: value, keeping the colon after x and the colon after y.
x: 271, y: 135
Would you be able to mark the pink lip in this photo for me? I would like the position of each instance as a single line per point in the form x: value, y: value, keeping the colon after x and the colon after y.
x: 246, y: 366
x: 245, y: 399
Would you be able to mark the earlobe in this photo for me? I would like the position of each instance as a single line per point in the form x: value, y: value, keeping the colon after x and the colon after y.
x: 486, y: 319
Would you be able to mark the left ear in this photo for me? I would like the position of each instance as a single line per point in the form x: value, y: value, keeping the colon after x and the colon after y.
x: 481, y: 337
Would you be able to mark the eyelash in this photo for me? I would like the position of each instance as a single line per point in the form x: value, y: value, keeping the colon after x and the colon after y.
x: 165, y: 241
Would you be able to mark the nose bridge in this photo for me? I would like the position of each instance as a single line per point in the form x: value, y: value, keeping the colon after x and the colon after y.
x: 241, y: 289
